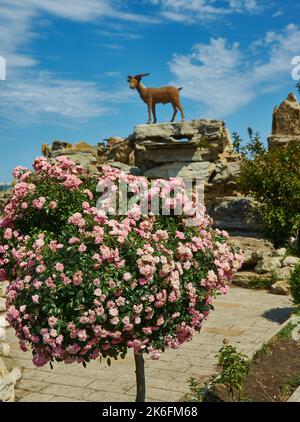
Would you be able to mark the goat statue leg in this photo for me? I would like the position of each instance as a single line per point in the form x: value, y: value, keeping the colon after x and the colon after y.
x: 175, y: 112
x: 181, y: 111
x: 154, y: 113
x: 149, y: 114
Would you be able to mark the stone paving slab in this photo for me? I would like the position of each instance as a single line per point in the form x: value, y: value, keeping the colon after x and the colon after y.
x: 245, y: 317
x: 295, y: 397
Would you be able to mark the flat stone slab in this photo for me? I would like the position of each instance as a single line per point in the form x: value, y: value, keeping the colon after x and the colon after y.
x: 295, y: 397
x: 245, y: 317
x: 236, y: 214
x: 178, y: 130
x: 200, y: 170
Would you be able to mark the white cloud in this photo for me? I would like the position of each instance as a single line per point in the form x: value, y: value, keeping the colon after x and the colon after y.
x: 28, y: 92
x: 18, y: 17
x: 47, y: 96
x: 221, y: 78
x: 120, y: 35
x: 204, y: 10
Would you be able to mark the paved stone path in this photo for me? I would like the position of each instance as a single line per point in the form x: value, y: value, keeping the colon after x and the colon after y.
x: 246, y: 318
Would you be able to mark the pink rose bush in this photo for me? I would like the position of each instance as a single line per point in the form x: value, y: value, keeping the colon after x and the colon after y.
x: 85, y: 282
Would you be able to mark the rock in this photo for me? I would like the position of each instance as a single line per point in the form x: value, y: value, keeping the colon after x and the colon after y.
x: 280, y: 252
x: 286, y: 122
x: 114, y: 140
x: 2, y: 334
x: 3, y: 322
x: 3, y: 287
x: 286, y: 117
x: 196, y: 140
x: 101, y: 151
x: 237, y: 215
x: 283, y: 273
x: 126, y: 168
x: 2, y: 304
x: 81, y: 152
x: 198, y: 130
x: 4, y: 349
x: 3, y: 370
x: 149, y: 154
x: 120, y: 150
x: 245, y: 278
x: 290, y: 261
x: 254, y: 249
x: 226, y: 172
x: 267, y: 265
x: 280, y: 288
x: 187, y: 170
x: 7, y: 384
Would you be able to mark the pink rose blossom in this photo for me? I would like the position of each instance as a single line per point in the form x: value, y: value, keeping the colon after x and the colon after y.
x: 35, y: 298
x: 59, y: 267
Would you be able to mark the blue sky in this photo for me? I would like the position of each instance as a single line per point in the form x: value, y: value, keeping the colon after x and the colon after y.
x: 67, y: 63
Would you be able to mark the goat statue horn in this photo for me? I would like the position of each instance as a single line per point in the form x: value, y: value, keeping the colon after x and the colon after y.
x: 141, y: 75
x: 129, y: 77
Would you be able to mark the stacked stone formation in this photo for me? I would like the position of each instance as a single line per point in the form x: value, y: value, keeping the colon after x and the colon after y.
x: 80, y: 152
x: 286, y: 123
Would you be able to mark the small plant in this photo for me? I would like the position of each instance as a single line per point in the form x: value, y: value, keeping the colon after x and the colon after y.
x: 263, y: 351
x: 237, y: 142
x: 234, y: 368
x: 252, y: 148
x: 290, y: 385
x: 295, y: 284
x: 286, y: 332
x: 198, y: 393
x: 255, y: 146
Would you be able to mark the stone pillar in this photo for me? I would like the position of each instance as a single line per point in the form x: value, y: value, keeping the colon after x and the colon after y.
x: 285, y: 123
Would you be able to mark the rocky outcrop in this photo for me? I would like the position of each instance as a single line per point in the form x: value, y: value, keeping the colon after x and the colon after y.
x: 268, y: 265
x: 290, y: 261
x: 264, y: 266
x: 236, y: 214
x: 281, y: 287
x: 81, y: 152
x: 202, y: 130
x: 286, y: 123
x: 119, y: 149
x: 250, y: 279
x: 254, y: 249
x: 200, y: 170
x: 193, y: 141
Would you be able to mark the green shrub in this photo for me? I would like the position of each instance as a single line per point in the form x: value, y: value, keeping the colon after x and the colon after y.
x: 234, y: 367
x: 273, y: 178
x: 295, y: 284
x: 252, y: 148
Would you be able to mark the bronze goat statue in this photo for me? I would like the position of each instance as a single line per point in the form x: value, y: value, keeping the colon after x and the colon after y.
x: 153, y: 96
